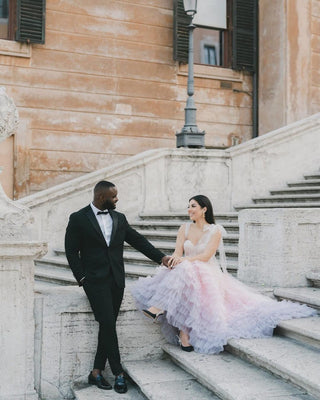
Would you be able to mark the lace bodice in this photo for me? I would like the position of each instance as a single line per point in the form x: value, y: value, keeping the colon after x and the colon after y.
x: 191, y: 249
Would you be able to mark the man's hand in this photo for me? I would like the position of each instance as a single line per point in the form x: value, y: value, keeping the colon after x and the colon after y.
x: 165, y: 260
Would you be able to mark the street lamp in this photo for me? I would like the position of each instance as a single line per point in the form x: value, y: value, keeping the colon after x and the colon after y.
x: 190, y: 136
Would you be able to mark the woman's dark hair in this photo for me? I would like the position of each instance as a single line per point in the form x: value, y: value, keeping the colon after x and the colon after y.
x: 203, y: 201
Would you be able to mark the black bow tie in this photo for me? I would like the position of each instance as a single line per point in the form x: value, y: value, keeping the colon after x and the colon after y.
x: 102, y: 212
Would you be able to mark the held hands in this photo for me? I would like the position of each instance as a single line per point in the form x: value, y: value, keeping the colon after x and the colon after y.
x: 171, y: 262
x: 165, y: 260
x: 174, y: 260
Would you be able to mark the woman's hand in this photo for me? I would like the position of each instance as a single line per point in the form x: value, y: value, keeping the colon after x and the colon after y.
x: 175, y: 261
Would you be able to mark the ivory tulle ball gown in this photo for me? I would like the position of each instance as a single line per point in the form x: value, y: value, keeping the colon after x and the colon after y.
x: 201, y: 298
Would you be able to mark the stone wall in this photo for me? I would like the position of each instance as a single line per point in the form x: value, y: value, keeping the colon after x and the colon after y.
x: 278, y: 247
x: 66, y: 339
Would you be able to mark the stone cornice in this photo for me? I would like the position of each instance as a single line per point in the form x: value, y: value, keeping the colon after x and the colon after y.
x: 22, y: 249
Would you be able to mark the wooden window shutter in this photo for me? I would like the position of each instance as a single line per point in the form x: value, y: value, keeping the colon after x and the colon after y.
x: 245, y: 31
x: 180, y: 32
x: 31, y: 21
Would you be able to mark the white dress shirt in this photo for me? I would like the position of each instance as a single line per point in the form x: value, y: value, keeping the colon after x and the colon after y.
x: 105, y: 222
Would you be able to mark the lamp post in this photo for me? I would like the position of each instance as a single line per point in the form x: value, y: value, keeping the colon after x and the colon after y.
x: 190, y: 135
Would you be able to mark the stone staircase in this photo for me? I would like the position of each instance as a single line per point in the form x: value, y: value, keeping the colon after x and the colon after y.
x: 161, y: 230
x: 284, y: 367
x: 304, y: 193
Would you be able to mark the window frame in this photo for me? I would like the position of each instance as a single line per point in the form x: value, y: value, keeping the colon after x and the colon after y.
x: 12, y: 20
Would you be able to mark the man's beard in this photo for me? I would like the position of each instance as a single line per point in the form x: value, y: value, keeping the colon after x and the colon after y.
x: 109, y: 206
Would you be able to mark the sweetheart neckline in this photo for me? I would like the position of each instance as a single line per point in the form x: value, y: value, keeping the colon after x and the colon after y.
x: 188, y: 240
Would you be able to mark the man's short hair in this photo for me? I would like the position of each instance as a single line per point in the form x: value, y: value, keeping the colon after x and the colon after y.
x: 103, y: 185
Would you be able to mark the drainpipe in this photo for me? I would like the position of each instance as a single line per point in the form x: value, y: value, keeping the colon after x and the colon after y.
x: 255, y: 77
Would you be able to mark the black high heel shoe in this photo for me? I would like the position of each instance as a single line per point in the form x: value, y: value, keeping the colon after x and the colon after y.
x: 154, y: 317
x: 185, y: 348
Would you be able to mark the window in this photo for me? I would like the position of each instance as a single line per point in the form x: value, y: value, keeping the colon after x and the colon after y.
x: 7, y: 19
x: 22, y: 20
x: 210, y: 55
x: 226, y: 33
x: 212, y: 38
x: 208, y: 48
x: 4, y: 13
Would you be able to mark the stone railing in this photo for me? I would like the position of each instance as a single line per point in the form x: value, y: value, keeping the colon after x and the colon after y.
x: 273, y: 159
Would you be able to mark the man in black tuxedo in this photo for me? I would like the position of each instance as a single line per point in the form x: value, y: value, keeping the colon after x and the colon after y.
x: 94, y: 247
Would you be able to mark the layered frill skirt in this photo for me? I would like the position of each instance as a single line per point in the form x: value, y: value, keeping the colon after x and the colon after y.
x: 211, y: 306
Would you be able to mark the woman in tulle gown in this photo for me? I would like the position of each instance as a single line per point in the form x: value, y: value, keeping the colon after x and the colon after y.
x: 198, y: 300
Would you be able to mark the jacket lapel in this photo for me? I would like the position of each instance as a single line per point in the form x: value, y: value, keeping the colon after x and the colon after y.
x: 93, y: 220
x: 114, y: 217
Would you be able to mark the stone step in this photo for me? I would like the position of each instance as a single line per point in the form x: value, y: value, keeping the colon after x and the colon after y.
x: 183, y: 216
x: 304, y: 330
x: 53, y: 261
x: 231, y: 378
x: 309, y: 182
x: 168, y: 248
x: 283, y: 357
x: 54, y: 275
x: 294, y: 198
x: 314, y: 278
x: 153, y: 235
x: 278, y: 205
x: 163, y: 380
x: 306, y: 190
x: 312, y: 176
x: 134, y: 257
x: 55, y: 270
x: 83, y: 391
x: 159, y: 238
x: 303, y: 295
x: 175, y: 225
x: 135, y: 271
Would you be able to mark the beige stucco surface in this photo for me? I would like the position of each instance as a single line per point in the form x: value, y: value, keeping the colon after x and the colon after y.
x: 104, y: 86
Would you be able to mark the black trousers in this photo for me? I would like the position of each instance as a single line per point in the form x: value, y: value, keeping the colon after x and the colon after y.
x: 105, y: 299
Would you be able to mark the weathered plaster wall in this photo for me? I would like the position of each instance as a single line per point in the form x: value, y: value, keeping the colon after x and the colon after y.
x: 272, y: 82
x: 288, y: 48
x: 289, y: 83
x: 6, y: 166
x: 315, y: 56
x: 105, y: 86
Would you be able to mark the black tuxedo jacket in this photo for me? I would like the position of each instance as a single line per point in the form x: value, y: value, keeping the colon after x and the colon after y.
x: 89, y: 255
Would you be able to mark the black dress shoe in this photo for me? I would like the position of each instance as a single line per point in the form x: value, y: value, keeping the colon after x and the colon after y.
x: 99, y: 381
x: 120, y: 385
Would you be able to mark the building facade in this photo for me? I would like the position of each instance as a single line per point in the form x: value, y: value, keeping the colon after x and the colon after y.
x: 104, y: 85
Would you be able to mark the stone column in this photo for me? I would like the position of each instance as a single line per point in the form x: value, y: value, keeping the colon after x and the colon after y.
x: 17, y: 320
x: 17, y: 252
x: 278, y: 247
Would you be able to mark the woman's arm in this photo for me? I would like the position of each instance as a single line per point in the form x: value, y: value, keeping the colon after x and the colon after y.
x: 178, y: 252
x: 208, y: 252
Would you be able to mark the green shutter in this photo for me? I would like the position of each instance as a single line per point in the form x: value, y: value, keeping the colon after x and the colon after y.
x: 31, y: 21
x: 180, y: 32
x: 245, y: 31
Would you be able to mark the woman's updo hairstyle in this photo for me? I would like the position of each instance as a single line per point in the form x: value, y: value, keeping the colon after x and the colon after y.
x: 203, y: 201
